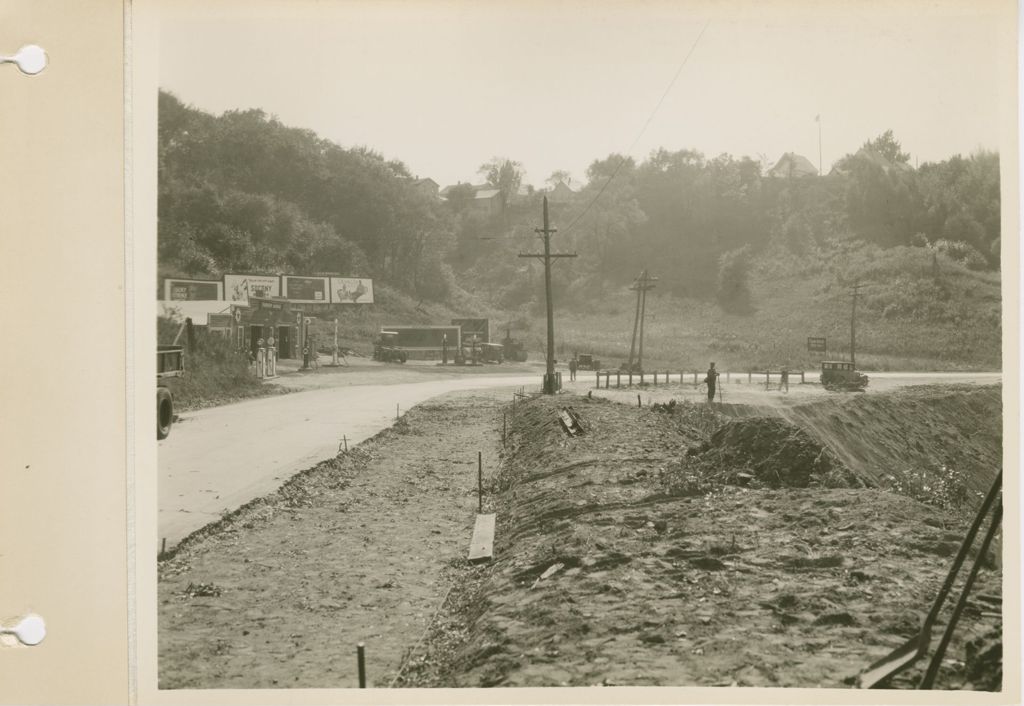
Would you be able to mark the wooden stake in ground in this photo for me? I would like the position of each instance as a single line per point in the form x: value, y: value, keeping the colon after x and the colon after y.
x: 361, y: 661
x: 480, y: 481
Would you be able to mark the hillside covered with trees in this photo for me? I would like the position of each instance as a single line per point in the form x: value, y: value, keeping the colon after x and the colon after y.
x: 243, y: 192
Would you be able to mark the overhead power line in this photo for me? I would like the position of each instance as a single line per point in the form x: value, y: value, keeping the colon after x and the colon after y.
x: 643, y: 130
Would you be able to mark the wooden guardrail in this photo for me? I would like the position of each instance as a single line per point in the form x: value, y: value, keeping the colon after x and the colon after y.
x: 629, y: 379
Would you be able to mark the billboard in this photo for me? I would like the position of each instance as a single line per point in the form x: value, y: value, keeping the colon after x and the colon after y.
x: 306, y: 289
x: 481, y: 328
x: 219, y: 320
x: 192, y: 290
x: 238, y: 288
x: 430, y: 337
x: 351, y: 290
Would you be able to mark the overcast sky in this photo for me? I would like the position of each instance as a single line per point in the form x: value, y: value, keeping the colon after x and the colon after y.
x: 445, y: 86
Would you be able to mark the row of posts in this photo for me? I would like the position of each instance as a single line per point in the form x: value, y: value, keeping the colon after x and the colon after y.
x: 665, y: 377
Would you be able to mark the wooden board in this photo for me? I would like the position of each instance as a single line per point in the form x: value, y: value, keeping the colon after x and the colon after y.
x: 481, y: 548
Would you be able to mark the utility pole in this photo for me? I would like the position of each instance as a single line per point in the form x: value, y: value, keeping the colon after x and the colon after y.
x: 853, y: 325
x: 817, y: 119
x: 641, y: 285
x: 335, y: 361
x: 550, y: 385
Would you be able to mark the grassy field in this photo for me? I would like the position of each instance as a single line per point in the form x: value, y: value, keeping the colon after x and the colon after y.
x: 909, y: 317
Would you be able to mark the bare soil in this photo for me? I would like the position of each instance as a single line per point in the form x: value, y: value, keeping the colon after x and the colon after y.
x: 604, y: 578
x: 647, y: 551
x: 279, y: 593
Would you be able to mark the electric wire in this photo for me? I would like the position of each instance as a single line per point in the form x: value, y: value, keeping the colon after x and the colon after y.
x: 643, y: 130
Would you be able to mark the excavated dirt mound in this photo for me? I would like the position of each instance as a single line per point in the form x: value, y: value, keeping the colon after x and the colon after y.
x: 602, y: 577
x: 928, y: 432
x: 767, y: 452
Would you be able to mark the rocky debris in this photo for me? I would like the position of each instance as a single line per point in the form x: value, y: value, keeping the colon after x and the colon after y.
x: 765, y: 452
x: 202, y: 590
x: 761, y: 575
x: 983, y: 667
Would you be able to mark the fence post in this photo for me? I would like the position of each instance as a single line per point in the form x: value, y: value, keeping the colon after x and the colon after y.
x: 749, y: 377
x: 618, y: 378
x: 641, y: 378
x: 727, y: 376
x: 801, y: 377
x: 631, y: 378
x: 695, y: 377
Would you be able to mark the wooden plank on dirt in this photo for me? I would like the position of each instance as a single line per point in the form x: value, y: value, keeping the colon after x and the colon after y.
x: 481, y: 548
x: 567, y: 422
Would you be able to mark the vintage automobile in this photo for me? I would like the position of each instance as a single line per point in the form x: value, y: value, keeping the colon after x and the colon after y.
x: 839, y: 375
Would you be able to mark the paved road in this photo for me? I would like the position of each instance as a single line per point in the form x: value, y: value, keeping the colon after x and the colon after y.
x: 220, y: 458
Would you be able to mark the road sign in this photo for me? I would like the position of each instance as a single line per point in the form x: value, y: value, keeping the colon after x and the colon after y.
x: 816, y: 345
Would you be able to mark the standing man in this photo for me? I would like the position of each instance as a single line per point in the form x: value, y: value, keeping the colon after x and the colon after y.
x: 573, y: 367
x: 712, y: 382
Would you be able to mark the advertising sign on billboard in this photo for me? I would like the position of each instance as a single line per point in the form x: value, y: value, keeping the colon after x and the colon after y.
x: 432, y: 337
x: 351, y: 290
x: 816, y: 344
x: 306, y: 289
x: 192, y: 290
x: 219, y: 320
x: 238, y: 288
x: 481, y: 328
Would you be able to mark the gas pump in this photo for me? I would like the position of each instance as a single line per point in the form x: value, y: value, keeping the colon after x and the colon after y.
x: 261, y: 359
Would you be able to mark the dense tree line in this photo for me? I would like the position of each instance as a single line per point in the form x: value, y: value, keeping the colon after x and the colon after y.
x: 241, y: 192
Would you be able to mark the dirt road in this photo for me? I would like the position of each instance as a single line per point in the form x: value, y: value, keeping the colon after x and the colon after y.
x: 612, y: 565
x: 739, y: 391
x: 353, y: 550
x: 219, y: 458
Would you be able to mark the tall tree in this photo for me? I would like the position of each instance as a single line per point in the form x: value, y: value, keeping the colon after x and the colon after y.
x: 503, y: 174
x: 559, y: 176
x: 889, y: 147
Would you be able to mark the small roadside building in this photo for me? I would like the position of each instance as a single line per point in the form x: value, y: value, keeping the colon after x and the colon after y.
x: 266, y: 319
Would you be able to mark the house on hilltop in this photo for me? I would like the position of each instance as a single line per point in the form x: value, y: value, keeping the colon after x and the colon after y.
x: 486, y: 198
x: 427, y: 187
x: 488, y: 201
x: 561, y: 193
x: 842, y: 168
x: 792, y: 165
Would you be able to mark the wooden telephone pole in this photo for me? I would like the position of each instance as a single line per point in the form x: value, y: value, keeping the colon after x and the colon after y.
x: 640, y: 285
x: 550, y: 384
x: 853, y: 325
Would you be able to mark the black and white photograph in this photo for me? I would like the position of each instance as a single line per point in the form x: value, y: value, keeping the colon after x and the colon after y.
x: 565, y: 344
